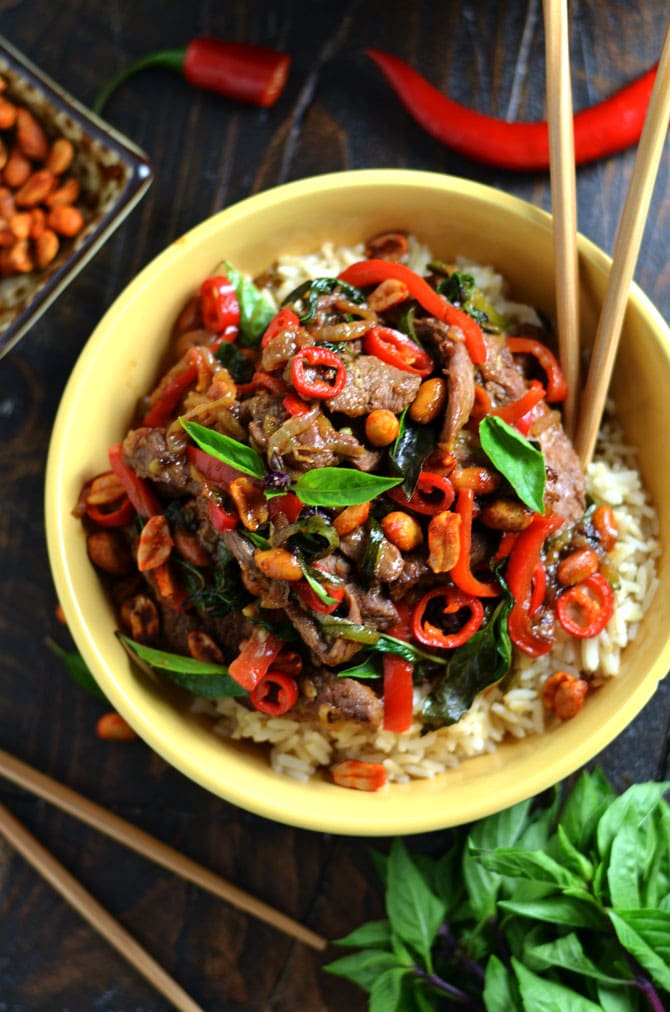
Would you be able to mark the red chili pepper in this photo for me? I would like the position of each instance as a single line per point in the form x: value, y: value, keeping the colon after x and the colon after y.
x: 398, y: 693
x: 216, y: 472
x: 609, y: 126
x: 312, y: 386
x: 122, y: 512
x: 424, y: 499
x: 295, y: 405
x: 236, y: 70
x: 520, y: 572
x: 220, y: 519
x: 311, y: 600
x: 585, y: 608
x: 360, y: 775
x: 285, y: 320
x: 275, y: 694
x: 455, y: 600
x: 140, y: 494
x: 538, y: 588
x: 557, y: 388
x: 255, y: 657
x: 397, y: 349
x: 373, y: 272
x: 274, y: 384
x: 514, y: 412
x: 288, y: 504
x: 169, y: 397
x: 461, y: 574
x: 219, y: 307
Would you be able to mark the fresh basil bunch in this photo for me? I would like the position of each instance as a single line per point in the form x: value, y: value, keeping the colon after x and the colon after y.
x: 562, y: 907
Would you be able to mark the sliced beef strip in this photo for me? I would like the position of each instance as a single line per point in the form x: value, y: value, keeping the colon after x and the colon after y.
x: 262, y: 414
x: 326, y: 699
x: 372, y: 384
x: 389, y: 563
x: 459, y: 370
x: 152, y: 454
x: 376, y: 610
x: 325, y: 651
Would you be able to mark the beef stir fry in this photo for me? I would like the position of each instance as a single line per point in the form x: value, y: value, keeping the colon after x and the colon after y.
x: 353, y: 507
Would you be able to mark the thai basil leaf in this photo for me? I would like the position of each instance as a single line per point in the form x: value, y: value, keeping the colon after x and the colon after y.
x: 484, y: 660
x: 256, y: 307
x: 377, y: 641
x: 573, y: 858
x: 226, y: 449
x: 368, y: 668
x: 624, y: 867
x: 76, y: 668
x: 500, y: 995
x: 632, y: 807
x: 374, y: 542
x: 584, y: 805
x: 340, y: 486
x: 374, y: 934
x: 568, y: 954
x: 230, y: 356
x: 413, y: 444
x: 203, y: 678
x: 363, y: 968
x: 386, y: 992
x: 557, y: 909
x: 534, y: 865
x: 313, y: 536
x: 258, y: 540
x: 653, y: 927
x: 314, y: 582
x: 414, y: 911
x: 307, y: 294
x: 516, y: 459
x: 542, y: 995
x: 657, y: 967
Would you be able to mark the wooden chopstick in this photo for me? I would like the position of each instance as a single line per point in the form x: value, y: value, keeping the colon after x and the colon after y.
x: 136, y: 839
x: 626, y: 249
x: 563, y: 199
x: 89, y: 908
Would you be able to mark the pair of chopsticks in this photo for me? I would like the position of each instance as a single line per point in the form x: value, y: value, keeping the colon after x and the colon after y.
x: 136, y: 839
x: 583, y: 420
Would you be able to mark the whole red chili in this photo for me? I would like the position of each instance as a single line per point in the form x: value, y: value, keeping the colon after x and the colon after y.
x: 236, y: 70
x: 373, y: 272
x: 397, y: 349
x: 455, y: 600
x: 219, y: 307
x: 557, y: 388
x: 609, y: 126
x: 585, y: 608
x: 433, y: 494
x: 314, y: 386
x: 275, y: 694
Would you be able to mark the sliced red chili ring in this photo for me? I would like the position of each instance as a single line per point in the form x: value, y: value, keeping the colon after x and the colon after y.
x: 538, y: 588
x: 397, y: 349
x: 284, y: 320
x: 585, y: 608
x: 433, y: 494
x: 455, y: 601
x: 220, y: 307
x: 313, y: 386
x: 557, y: 388
x: 120, y: 513
x: 275, y: 694
x: 461, y: 573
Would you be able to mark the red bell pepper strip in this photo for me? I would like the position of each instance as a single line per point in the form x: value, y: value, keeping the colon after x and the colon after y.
x: 288, y: 504
x: 255, y: 657
x: 235, y: 70
x: 514, y: 412
x: 461, y: 574
x: 397, y: 349
x: 275, y: 694
x: 142, y: 497
x: 398, y: 693
x: 214, y: 471
x: 455, y: 600
x: 168, y: 398
x: 538, y: 588
x: 360, y: 775
x: 219, y: 307
x: 311, y: 600
x: 313, y: 386
x: 585, y: 608
x: 220, y: 519
x: 373, y: 272
x: 609, y: 126
x: 295, y: 405
x: 434, y: 493
x: 122, y: 512
x: 520, y: 572
x: 284, y: 320
x: 557, y: 388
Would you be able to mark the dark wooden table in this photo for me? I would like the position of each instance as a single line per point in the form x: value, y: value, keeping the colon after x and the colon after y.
x: 336, y: 113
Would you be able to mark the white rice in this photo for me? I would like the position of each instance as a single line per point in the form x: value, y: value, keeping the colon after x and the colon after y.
x: 298, y: 750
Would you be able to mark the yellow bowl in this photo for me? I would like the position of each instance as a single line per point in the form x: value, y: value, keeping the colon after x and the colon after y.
x: 119, y: 363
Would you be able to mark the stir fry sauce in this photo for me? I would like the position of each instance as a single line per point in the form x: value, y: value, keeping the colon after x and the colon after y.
x: 354, y: 507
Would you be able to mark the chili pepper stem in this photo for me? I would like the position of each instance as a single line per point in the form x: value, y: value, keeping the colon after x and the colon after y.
x: 170, y: 59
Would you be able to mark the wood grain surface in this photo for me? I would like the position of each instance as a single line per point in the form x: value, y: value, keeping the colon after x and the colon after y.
x: 336, y: 113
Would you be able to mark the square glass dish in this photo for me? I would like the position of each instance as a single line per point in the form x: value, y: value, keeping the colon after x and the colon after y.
x: 111, y: 174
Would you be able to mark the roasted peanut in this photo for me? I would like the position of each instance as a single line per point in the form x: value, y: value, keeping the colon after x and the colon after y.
x: 202, y: 647
x: 351, y: 518
x: 605, y: 525
x: 68, y: 193
x: 381, y: 427
x: 65, y: 219
x: 139, y: 615
x: 479, y: 479
x: 17, y: 170
x: 577, y: 566
x: 17, y: 259
x: 47, y: 245
x: 35, y: 189
x: 112, y: 727
x: 444, y: 541
x: 402, y: 530
x: 30, y: 136
x: 38, y: 222
x: 429, y: 402
x: 155, y: 543
x: 20, y: 224
x: 506, y: 515
x: 278, y: 564
x: 109, y: 553
x: 189, y: 548
x: 250, y: 501
x: 105, y: 488
x: 60, y: 156
x: 564, y: 694
x: 7, y: 113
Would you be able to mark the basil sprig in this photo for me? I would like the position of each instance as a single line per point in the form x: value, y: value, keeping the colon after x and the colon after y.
x: 203, y: 678
x: 226, y: 449
x: 560, y: 902
x: 516, y: 459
